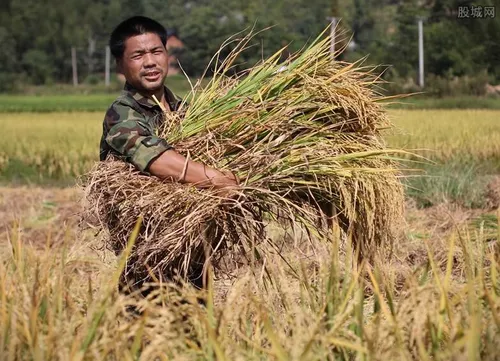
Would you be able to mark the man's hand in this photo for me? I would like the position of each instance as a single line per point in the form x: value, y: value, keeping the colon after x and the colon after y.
x: 224, y: 179
x: 231, y: 176
x: 225, y: 183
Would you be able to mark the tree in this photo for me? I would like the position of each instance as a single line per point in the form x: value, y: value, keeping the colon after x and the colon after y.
x: 402, y: 51
x: 37, y: 35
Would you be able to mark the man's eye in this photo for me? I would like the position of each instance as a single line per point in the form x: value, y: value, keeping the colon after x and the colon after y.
x: 157, y: 52
x: 136, y: 57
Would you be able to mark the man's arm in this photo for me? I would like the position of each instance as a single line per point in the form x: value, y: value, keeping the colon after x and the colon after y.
x: 172, y: 165
x: 132, y: 139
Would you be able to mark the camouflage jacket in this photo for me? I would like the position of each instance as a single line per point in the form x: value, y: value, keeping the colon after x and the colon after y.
x: 130, y: 125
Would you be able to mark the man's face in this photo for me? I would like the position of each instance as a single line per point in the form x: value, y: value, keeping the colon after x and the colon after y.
x: 144, y: 62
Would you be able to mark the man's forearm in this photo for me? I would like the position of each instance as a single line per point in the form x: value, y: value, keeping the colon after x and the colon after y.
x: 174, y: 166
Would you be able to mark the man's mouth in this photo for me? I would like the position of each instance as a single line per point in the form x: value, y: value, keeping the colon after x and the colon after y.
x: 152, y: 75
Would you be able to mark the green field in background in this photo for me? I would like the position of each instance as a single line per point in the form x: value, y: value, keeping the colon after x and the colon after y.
x: 68, y: 99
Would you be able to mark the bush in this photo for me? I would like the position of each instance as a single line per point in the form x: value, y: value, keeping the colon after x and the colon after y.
x: 438, y: 86
x: 399, y: 85
x: 456, y: 86
x: 7, y: 83
x: 39, y: 66
x: 93, y: 79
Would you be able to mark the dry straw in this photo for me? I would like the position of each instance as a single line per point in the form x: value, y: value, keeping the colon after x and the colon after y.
x: 304, y: 140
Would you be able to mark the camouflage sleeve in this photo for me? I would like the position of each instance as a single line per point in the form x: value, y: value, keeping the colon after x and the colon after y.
x: 131, y: 137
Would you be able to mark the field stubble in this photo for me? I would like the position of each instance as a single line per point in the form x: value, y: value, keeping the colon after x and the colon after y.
x: 437, y: 298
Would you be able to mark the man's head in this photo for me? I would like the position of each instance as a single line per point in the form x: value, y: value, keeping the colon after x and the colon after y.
x: 139, y: 47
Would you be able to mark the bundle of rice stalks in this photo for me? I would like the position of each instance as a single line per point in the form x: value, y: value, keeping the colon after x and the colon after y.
x: 304, y: 140
x: 178, y: 220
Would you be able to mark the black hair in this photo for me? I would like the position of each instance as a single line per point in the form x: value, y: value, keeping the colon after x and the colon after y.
x: 134, y: 26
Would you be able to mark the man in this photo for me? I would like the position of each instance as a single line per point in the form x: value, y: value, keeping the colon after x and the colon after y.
x: 139, y: 47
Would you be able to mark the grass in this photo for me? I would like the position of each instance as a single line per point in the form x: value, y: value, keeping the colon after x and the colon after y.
x: 461, y: 154
x: 423, y: 101
x: 452, y: 182
x: 55, y: 103
x: 66, y: 98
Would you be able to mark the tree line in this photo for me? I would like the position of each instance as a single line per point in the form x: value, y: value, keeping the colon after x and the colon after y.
x: 37, y: 35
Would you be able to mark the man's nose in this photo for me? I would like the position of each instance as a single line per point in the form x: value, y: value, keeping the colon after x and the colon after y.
x: 149, y: 60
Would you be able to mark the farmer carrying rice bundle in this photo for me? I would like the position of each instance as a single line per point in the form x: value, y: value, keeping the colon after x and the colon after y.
x: 274, y: 145
x: 131, y: 123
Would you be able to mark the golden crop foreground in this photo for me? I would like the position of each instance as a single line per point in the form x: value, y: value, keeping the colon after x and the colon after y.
x: 62, y: 145
x: 437, y: 300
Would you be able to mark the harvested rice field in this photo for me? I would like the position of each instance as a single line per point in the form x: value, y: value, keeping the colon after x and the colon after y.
x: 438, y: 295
